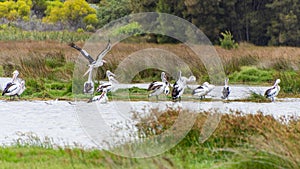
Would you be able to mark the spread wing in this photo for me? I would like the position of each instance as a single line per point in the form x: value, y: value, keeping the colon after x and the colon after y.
x: 104, y: 52
x: 83, y: 52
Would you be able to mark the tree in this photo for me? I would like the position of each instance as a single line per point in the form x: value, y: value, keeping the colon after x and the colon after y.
x: 76, y: 13
x: 285, y: 24
x: 110, y: 10
x: 12, y: 10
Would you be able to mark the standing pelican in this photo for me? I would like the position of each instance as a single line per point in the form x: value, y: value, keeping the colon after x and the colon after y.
x: 226, y: 90
x: 200, y: 91
x: 180, y: 85
x: 158, y: 88
x: 15, y: 87
x: 102, y: 98
x: 89, y: 85
x: 110, y: 84
x: 203, y: 90
x: 273, y: 91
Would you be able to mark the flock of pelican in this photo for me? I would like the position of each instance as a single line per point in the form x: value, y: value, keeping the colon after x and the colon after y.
x: 16, y: 86
x: 156, y: 88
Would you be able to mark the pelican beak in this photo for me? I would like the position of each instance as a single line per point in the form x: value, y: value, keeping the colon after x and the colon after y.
x: 86, y: 72
x: 104, y: 61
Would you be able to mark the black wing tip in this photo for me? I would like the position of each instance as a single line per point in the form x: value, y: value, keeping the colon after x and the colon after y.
x: 72, y: 44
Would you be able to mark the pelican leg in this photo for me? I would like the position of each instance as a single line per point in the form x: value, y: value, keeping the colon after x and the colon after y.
x: 156, y: 97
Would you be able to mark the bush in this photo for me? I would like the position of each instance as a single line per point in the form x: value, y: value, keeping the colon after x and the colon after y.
x: 227, y: 41
x: 252, y: 74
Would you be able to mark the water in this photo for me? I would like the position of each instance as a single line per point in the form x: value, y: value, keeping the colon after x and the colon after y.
x: 69, y: 123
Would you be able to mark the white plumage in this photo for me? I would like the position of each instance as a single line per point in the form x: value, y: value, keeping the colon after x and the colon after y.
x: 273, y: 91
x: 89, y: 84
x: 110, y: 84
x: 14, y: 88
x: 158, y: 88
x: 102, y: 98
x: 180, y: 85
x: 202, y: 90
x: 226, y: 90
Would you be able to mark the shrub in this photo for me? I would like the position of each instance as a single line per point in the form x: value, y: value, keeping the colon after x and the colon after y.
x: 227, y: 41
x: 252, y: 74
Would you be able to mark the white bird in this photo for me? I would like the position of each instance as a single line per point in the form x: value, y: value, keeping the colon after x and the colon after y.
x: 226, y: 90
x: 110, y: 84
x: 14, y: 88
x: 180, y: 85
x: 89, y: 85
x: 200, y: 91
x: 102, y: 98
x: 203, y: 90
x: 273, y: 91
x: 158, y: 88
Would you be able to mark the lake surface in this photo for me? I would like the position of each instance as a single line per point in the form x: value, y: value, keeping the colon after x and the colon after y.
x: 67, y: 123
x: 78, y: 123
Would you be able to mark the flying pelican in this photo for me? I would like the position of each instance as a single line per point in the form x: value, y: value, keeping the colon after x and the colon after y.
x: 110, y: 84
x: 102, y: 98
x: 226, y: 90
x: 180, y: 85
x: 158, y: 88
x: 89, y: 85
x: 273, y: 91
x: 15, y: 87
x: 203, y: 90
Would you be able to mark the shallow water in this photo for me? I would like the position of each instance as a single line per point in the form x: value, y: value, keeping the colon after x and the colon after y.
x: 89, y: 124
x: 68, y: 123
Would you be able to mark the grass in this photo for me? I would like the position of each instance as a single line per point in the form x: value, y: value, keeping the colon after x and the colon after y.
x: 44, y: 64
x: 239, y: 141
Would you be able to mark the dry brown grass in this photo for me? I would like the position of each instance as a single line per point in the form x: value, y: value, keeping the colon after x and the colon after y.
x: 265, y: 57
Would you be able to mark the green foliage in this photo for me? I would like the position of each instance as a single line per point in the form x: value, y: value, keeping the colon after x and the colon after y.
x: 227, y: 41
x: 132, y: 29
x: 9, y: 33
x: 252, y: 74
x: 110, y: 10
x: 290, y: 81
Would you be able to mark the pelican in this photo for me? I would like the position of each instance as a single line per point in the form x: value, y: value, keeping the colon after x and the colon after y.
x: 110, y: 84
x: 158, y: 88
x: 15, y: 87
x: 226, y: 90
x: 180, y: 85
x: 203, y: 90
x: 200, y: 91
x: 89, y: 85
x: 273, y: 91
x: 102, y: 98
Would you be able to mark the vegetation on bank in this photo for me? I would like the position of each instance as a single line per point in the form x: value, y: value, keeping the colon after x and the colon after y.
x: 239, y: 141
x: 47, y: 66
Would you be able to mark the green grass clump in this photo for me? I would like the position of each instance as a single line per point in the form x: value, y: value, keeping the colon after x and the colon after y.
x: 251, y: 74
x: 16, y: 34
